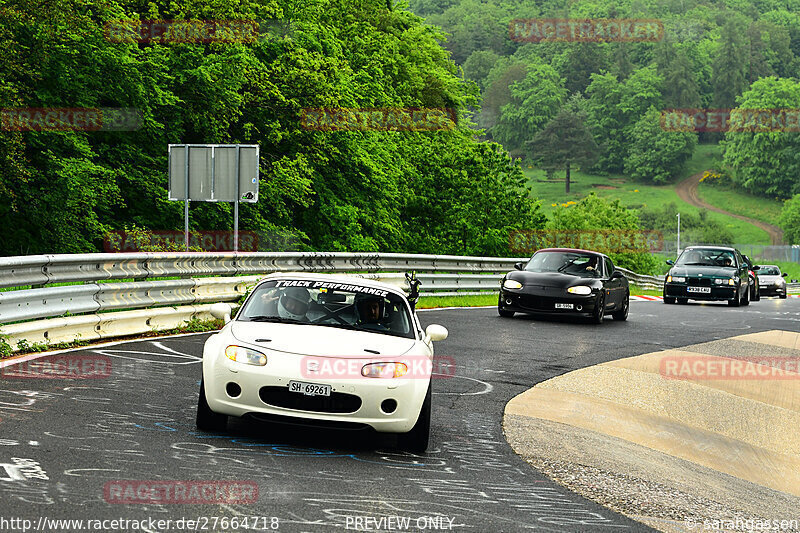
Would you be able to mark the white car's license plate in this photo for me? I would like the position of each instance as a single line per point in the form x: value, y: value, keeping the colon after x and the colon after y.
x: 698, y: 289
x: 309, y: 389
x: 564, y: 306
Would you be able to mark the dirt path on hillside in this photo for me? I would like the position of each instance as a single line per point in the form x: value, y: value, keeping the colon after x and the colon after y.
x: 687, y: 190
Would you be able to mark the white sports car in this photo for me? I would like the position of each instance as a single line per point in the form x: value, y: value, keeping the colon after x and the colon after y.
x: 337, y: 350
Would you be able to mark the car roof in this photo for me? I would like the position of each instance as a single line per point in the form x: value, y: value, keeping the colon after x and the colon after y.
x: 570, y: 250
x: 336, y: 278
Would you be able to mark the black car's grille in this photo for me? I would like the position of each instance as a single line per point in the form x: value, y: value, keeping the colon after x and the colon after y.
x: 337, y: 402
x: 539, y: 303
x: 699, y: 282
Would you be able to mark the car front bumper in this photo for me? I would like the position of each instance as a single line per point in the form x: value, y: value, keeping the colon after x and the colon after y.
x: 772, y: 290
x: 354, y: 400
x: 718, y: 292
x: 544, y: 300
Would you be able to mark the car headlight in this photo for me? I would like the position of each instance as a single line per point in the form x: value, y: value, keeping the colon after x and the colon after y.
x: 676, y: 279
x: 245, y: 355
x: 512, y: 284
x: 728, y: 281
x: 580, y: 289
x: 384, y: 370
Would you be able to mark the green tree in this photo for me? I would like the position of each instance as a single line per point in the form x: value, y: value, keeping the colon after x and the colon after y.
x: 680, y: 85
x: 657, y: 156
x: 534, y: 100
x: 765, y: 162
x: 596, y: 213
x: 730, y: 65
x: 565, y: 141
x: 613, y: 109
x: 577, y: 63
x: 790, y: 220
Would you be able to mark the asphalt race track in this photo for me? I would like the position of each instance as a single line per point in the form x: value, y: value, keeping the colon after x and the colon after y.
x: 62, y: 442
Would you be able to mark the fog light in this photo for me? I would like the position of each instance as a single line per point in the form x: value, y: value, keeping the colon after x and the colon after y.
x: 579, y: 307
x: 508, y: 301
x: 389, y: 406
x: 233, y: 389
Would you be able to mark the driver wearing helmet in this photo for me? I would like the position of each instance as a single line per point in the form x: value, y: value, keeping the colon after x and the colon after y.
x: 370, y: 311
x: 293, y: 303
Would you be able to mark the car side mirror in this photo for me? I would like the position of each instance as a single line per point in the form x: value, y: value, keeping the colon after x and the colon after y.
x: 670, y: 262
x: 221, y: 311
x: 783, y: 275
x: 519, y: 266
x: 435, y: 332
x: 756, y: 267
x: 616, y: 274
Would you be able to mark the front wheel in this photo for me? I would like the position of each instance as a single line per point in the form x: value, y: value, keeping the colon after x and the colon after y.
x: 416, y: 440
x: 622, y: 314
x: 208, y: 420
x: 746, y: 298
x: 783, y: 296
x: 600, y: 308
x: 755, y: 296
x: 502, y: 312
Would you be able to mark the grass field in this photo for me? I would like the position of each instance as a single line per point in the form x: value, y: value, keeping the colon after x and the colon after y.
x: 632, y: 195
x: 764, y: 209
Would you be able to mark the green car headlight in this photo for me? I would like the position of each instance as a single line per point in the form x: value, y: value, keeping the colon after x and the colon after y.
x: 676, y: 279
x: 245, y: 355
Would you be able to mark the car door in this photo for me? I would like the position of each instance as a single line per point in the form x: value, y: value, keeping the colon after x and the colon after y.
x: 743, y: 273
x: 614, y: 289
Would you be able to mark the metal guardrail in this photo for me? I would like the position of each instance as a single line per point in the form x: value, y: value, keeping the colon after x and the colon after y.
x: 227, y: 279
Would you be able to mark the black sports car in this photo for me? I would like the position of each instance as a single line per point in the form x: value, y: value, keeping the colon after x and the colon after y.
x: 709, y: 273
x: 565, y: 281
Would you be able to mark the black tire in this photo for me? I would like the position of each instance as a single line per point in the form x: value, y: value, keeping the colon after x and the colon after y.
x: 669, y: 300
x: 416, y: 440
x: 682, y: 301
x: 746, y: 298
x: 735, y: 302
x: 622, y: 314
x: 208, y: 420
x: 756, y: 294
x: 783, y: 296
x: 599, y: 308
x: 502, y: 312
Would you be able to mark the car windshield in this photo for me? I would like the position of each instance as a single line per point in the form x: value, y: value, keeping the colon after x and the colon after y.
x: 331, y: 304
x: 573, y: 263
x: 769, y: 271
x: 706, y: 257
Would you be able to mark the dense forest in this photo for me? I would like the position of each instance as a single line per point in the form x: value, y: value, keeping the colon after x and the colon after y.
x: 400, y: 191
x: 458, y: 191
x: 713, y: 54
